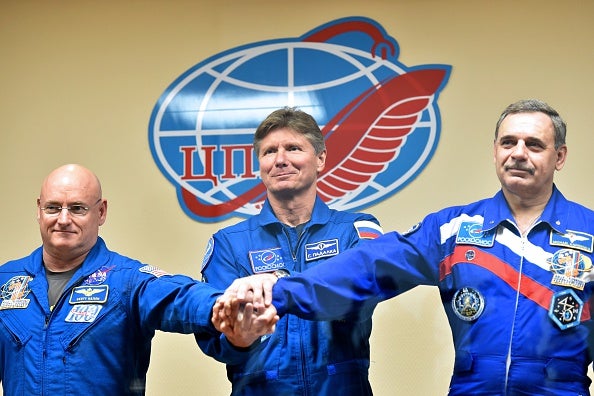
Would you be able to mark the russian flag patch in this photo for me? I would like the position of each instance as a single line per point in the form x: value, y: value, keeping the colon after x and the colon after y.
x: 368, y: 229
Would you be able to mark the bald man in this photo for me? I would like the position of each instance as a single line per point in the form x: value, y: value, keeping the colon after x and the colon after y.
x: 77, y: 318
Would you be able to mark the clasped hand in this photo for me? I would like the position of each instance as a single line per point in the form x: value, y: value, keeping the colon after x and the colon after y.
x: 245, y: 312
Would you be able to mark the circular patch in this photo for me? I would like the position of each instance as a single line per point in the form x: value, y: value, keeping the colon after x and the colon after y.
x: 468, y: 304
x: 470, y: 255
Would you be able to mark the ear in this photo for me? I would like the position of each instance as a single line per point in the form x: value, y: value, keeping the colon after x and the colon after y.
x: 495, y: 151
x: 103, y: 212
x: 561, y: 157
x: 38, y: 210
x: 322, y: 160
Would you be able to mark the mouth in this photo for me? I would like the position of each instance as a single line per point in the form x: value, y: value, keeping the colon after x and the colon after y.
x: 283, y: 175
x: 520, y: 169
x: 62, y: 232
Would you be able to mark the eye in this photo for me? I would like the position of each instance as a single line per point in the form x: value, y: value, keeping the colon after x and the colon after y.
x: 78, y: 209
x: 52, y: 209
x: 535, y: 145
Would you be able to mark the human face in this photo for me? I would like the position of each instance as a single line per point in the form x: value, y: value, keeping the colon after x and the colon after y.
x: 289, y: 165
x: 525, y: 155
x: 66, y: 237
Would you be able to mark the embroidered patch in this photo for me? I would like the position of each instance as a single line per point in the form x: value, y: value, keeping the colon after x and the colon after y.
x: 566, y: 309
x: 471, y: 233
x: 470, y: 254
x: 89, y: 294
x: 155, y: 271
x: 568, y: 266
x: 413, y: 229
x: 368, y: 229
x: 316, y: 250
x: 86, y: 313
x: 14, y: 291
x: 208, y: 252
x: 468, y: 304
x: 266, y: 260
x: 98, y: 277
x: 573, y: 239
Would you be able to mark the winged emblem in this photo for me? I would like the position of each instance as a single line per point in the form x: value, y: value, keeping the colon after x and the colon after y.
x: 89, y: 291
x: 575, y: 238
x: 388, y: 112
x: 362, y: 138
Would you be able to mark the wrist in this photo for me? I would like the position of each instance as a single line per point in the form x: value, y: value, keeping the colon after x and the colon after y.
x: 281, y: 273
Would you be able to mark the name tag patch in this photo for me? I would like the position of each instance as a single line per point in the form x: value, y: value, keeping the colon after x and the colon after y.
x: 316, y: 250
x: 471, y: 233
x: 83, y: 313
x: 89, y: 294
x: 573, y: 239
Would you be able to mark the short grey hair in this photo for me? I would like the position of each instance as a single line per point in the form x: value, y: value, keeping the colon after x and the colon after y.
x: 536, y: 106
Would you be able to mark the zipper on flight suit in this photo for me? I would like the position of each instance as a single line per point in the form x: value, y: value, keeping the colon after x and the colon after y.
x: 48, y: 319
x: 524, y: 239
x: 294, y: 255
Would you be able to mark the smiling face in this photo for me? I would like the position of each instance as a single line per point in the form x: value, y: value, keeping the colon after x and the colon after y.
x: 67, y: 238
x: 289, y: 165
x: 525, y: 155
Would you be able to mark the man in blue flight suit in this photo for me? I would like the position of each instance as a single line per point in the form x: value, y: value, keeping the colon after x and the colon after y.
x: 77, y: 318
x: 514, y: 271
x: 295, y: 230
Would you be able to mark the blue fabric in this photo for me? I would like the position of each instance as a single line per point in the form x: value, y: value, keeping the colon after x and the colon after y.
x: 301, y: 357
x: 97, y: 339
x: 513, y: 347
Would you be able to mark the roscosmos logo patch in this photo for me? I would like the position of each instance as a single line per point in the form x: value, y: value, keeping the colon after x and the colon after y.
x: 379, y: 117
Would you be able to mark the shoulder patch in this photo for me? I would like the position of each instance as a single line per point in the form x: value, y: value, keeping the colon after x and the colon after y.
x: 368, y: 229
x: 207, y: 253
x: 412, y: 229
x: 155, y: 271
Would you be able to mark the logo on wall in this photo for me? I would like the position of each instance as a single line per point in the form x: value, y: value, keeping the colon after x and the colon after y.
x: 380, y: 119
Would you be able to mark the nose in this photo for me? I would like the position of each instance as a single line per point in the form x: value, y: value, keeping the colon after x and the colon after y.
x: 520, y: 150
x: 280, y: 159
x: 64, y: 216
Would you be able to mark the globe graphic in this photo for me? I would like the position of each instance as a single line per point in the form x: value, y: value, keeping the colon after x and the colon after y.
x: 222, y: 100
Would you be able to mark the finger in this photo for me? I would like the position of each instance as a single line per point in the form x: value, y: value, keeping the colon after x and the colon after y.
x: 248, y: 317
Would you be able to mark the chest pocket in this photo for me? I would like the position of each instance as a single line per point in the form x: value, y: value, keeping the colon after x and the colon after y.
x: 80, y: 320
x: 16, y: 330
